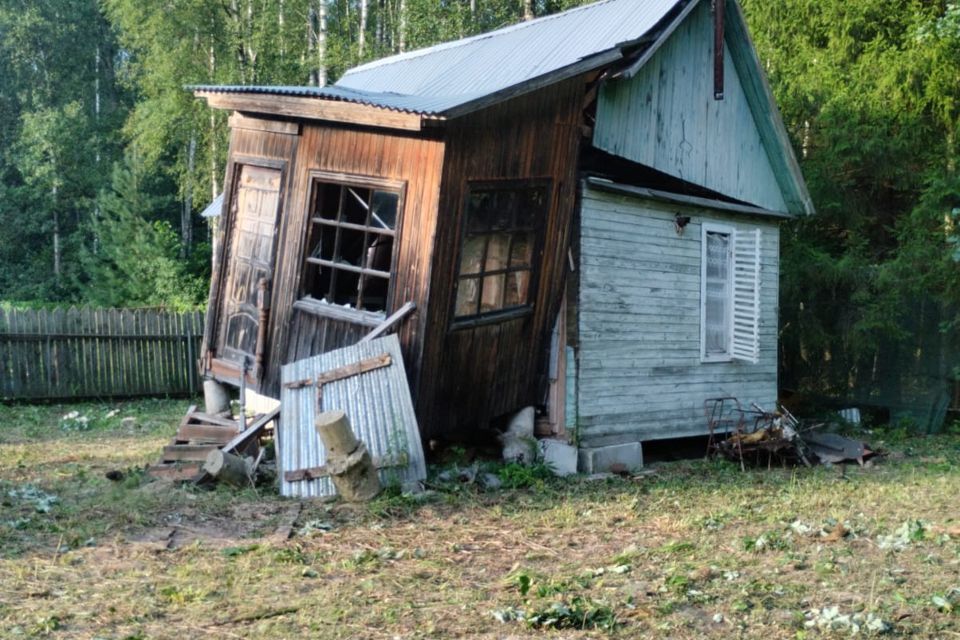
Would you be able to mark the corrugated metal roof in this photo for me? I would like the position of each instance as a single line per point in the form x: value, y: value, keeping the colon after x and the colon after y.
x: 437, y: 79
x: 377, y: 403
x: 214, y: 208
x: 494, y: 61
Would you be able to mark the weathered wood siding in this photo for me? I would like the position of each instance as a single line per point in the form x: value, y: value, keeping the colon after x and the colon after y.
x: 471, y: 375
x: 308, y: 146
x: 665, y: 117
x: 256, y: 141
x: 639, y: 370
x: 415, y: 161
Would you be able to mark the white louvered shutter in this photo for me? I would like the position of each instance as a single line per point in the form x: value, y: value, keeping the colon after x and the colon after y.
x: 746, y: 296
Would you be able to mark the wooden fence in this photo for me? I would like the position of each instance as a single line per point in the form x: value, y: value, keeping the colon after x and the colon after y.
x: 92, y: 353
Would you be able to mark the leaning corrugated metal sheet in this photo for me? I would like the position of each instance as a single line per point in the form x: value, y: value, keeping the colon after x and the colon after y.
x: 377, y: 403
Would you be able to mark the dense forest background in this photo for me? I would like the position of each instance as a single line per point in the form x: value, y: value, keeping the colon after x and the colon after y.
x: 106, y: 161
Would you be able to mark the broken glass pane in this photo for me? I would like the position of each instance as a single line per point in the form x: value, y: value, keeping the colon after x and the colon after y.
x: 472, y: 259
x: 468, y: 292
x: 492, y: 298
x: 384, y: 213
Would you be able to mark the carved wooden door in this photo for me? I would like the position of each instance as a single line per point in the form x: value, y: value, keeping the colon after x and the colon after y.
x: 250, y: 255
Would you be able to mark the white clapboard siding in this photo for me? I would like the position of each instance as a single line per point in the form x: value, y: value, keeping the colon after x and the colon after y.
x: 640, y: 375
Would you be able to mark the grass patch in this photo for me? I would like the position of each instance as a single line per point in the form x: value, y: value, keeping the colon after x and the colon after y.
x: 697, y: 550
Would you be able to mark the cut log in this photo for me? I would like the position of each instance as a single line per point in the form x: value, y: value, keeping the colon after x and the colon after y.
x: 228, y: 468
x: 336, y: 434
x: 348, y: 461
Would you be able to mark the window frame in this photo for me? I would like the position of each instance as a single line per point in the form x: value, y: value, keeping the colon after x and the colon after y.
x: 536, y: 256
x: 315, y: 179
x: 708, y: 228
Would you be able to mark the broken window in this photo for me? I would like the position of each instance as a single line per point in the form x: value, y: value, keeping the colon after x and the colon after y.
x: 353, y: 226
x: 730, y: 294
x: 497, y: 254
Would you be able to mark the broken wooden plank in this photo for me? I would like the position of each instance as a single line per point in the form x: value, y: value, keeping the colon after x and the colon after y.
x: 346, y: 371
x: 323, y: 471
x: 186, y: 418
x: 206, y: 433
x: 394, y: 318
x: 174, y: 471
x: 206, y: 418
x: 254, y: 429
x: 186, y: 452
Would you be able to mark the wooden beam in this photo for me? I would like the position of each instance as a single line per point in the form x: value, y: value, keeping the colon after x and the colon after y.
x: 346, y: 371
x: 394, y: 318
x: 255, y: 428
x: 240, y: 121
x: 313, y: 109
x: 635, y: 66
x: 312, y: 473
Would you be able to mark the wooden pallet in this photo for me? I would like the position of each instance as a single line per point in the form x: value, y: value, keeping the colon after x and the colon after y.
x: 198, y: 434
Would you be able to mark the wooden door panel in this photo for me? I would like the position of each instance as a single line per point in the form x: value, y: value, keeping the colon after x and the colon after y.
x: 251, y: 257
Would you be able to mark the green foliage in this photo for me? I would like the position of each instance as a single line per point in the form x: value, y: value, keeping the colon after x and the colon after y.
x: 515, y: 475
x: 136, y: 262
x: 870, y: 95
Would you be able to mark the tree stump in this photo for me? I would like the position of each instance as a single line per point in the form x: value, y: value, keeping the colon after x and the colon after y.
x: 348, y: 461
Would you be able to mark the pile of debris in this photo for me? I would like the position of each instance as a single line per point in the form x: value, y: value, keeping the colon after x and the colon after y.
x: 214, y: 446
x: 758, y: 437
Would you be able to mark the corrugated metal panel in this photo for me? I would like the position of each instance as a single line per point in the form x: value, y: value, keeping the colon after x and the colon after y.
x: 437, y: 79
x: 377, y: 403
x: 490, y: 62
x: 214, y: 208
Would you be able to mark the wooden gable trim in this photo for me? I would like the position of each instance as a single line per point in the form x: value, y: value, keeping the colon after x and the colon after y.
x: 312, y: 109
x: 766, y: 115
x: 240, y: 121
x: 649, y: 52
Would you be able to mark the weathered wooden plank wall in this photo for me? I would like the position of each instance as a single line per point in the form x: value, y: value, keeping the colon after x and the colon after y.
x: 473, y: 374
x: 91, y: 353
x: 665, y: 117
x: 639, y: 371
x: 358, y: 153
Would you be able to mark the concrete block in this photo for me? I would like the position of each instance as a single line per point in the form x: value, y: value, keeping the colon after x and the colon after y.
x: 600, y: 459
x: 559, y: 456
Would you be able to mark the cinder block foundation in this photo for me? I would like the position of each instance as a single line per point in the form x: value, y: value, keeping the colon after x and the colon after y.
x: 601, y: 459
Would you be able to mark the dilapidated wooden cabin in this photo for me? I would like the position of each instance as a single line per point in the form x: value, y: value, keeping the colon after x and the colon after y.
x: 584, y: 209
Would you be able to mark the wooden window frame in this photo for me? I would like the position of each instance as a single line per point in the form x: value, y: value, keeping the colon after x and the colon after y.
x: 319, y: 307
x: 516, y: 311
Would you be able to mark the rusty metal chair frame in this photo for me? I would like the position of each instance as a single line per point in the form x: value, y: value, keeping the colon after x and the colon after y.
x: 724, y: 416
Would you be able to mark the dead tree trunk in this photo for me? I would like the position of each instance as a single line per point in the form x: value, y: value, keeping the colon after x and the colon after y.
x: 348, y: 461
x: 528, y: 10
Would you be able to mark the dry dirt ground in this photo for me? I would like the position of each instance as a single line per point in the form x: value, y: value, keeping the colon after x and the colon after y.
x: 692, y: 550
